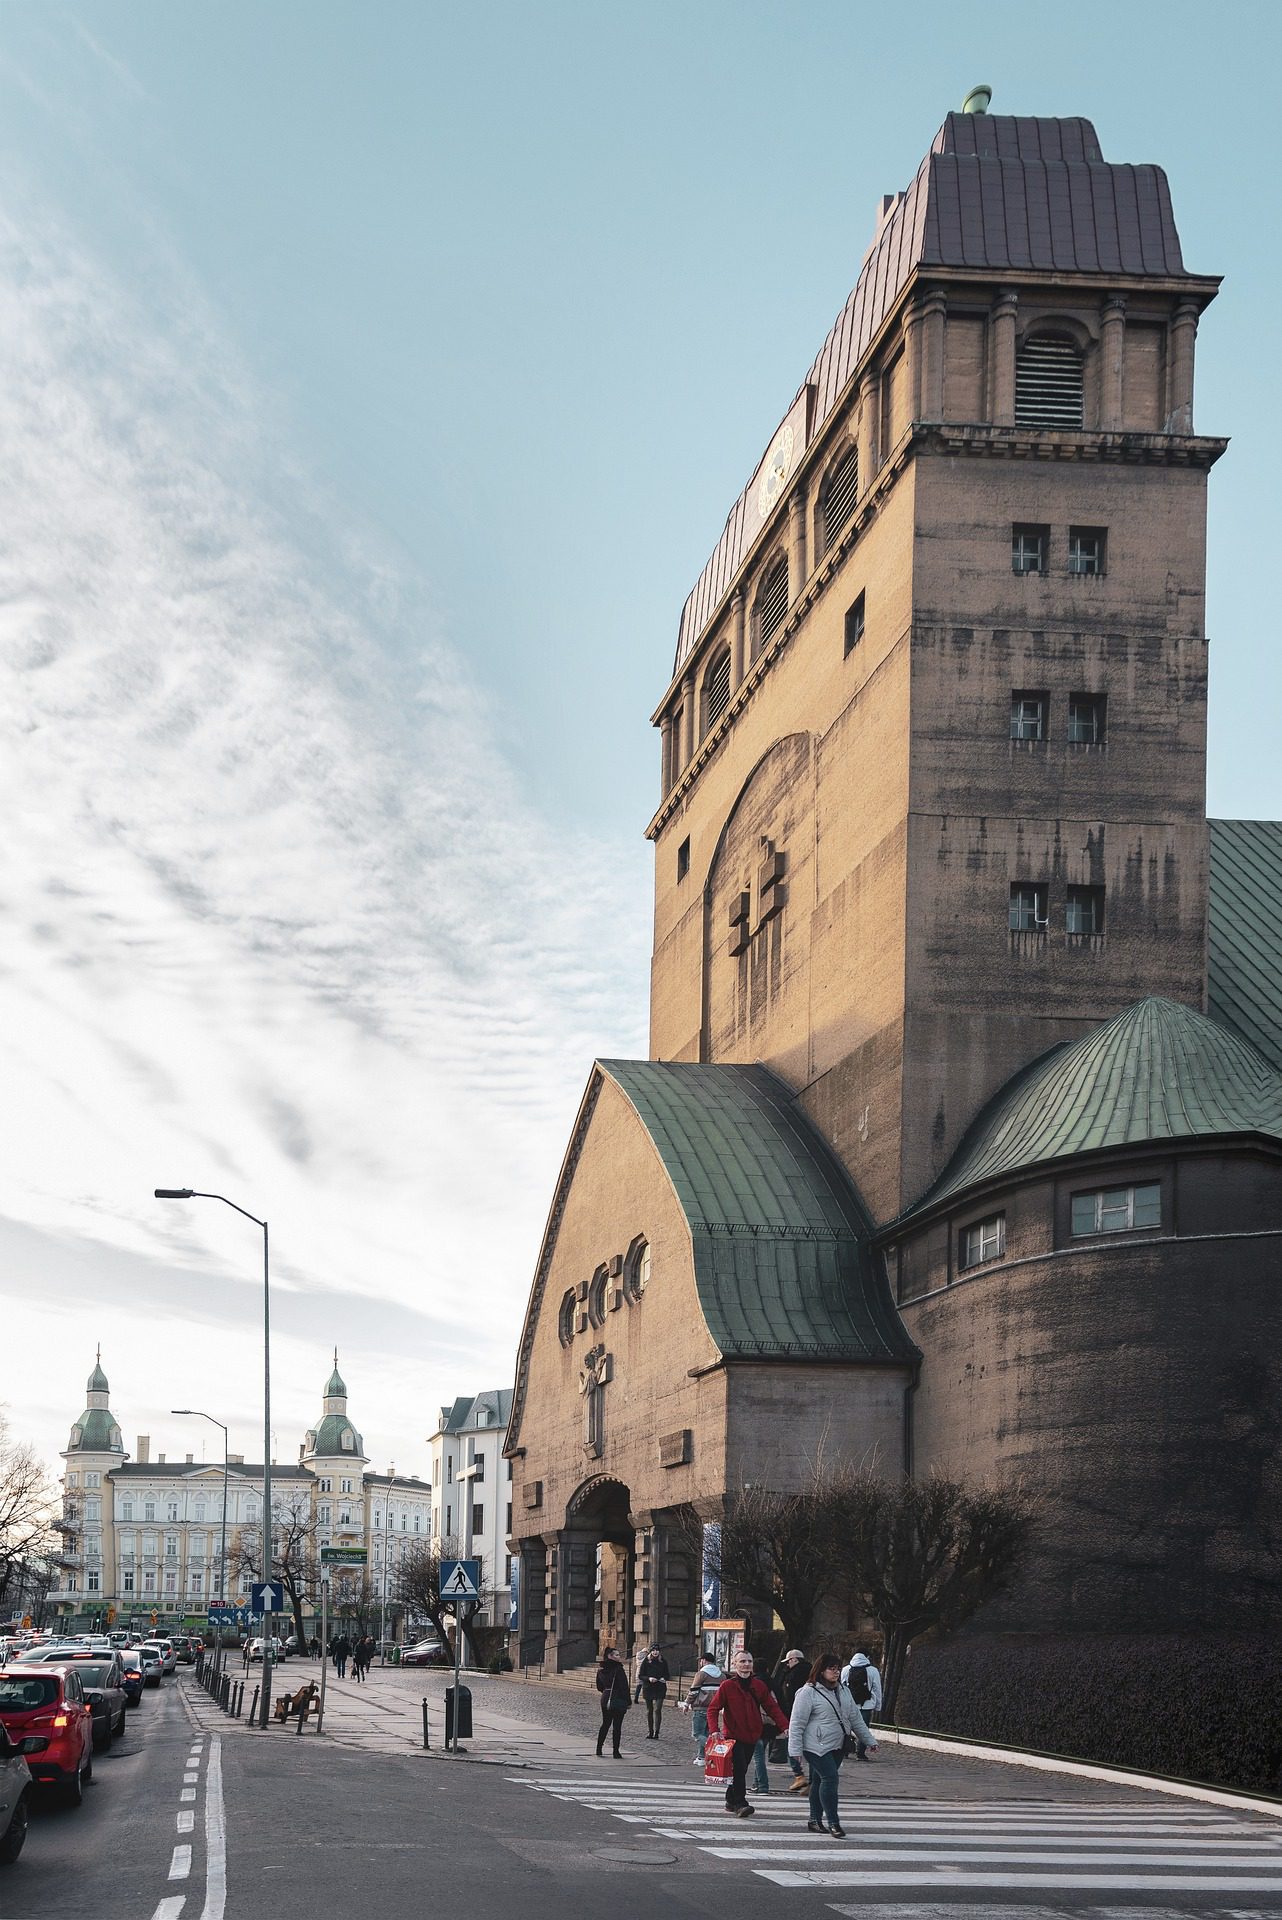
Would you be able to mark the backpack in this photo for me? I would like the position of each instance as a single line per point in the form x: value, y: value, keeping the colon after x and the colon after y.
x: 857, y: 1684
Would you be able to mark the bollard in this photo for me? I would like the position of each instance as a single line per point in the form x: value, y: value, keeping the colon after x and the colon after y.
x: 253, y: 1705
x: 240, y: 1698
x: 426, y: 1740
x: 302, y: 1715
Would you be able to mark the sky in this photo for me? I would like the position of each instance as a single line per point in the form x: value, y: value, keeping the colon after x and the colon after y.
x: 374, y: 382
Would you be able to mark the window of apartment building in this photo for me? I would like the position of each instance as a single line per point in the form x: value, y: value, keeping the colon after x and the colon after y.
x: 1027, y: 906
x: 449, y: 1470
x: 1117, y: 1209
x: 1028, y: 715
x: 1087, y: 713
x: 1049, y: 382
x: 93, y: 1479
x: 986, y: 1240
x: 1029, y: 548
x: 344, y: 1486
x: 196, y: 1546
x: 1085, y: 910
x: 149, y: 1583
x: 854, y: 630
x: 149, y: 1545
x: 683, y: 858
x: 378, y: 1516
x: 92, y: 1582
x: 478, y: 1519
x: 126, y: 1546
x: 93, y: 1508
x: 171, y: 1510
x: 716, y: 690
x: 840, y: 492
x: 327, y: 1485
x: 417, y: 1526
x: 772, y: 606
x: 509, y: 1469
x: 200, y: 1510
x: 127, y: 1581
x: 1087, y: 549
x: 73, y: 1480
x: 507, y: 1524
x: 323, y: 1515
x: 126, y: 1509
x: 171, y: 1546
x: 148, y: 1509
x: 507, y: 1570
x: 405, y: 1521
x: 344, y: 1516
x: 449, y: 1521
x: 171, y: 1583
x: 195, y: 1583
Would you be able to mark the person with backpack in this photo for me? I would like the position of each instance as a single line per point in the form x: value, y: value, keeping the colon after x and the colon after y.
x: 825, y: 1724
x: 863, y: 1683
x: 616, y: 1698
x: 740, y: 1708
x: 698, y: 1695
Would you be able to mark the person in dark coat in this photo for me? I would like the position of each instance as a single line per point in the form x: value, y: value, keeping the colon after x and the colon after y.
x: 741, y: 1705
x: 616, y: 1698
x: 342, y: 1647
x: 654, y: 1674
x: 788, y: 1678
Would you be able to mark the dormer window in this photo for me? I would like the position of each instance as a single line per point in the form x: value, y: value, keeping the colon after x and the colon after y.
x: 348, y: 1441
x: 1048, y: 382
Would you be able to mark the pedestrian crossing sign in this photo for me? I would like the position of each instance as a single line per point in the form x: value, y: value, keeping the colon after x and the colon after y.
x: 460, y: 1579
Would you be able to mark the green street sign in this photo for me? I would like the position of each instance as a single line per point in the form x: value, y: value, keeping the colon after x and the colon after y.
x: 344, y: 1556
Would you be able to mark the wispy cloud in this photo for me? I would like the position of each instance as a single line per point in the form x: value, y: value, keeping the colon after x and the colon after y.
x: 274, y: 916
x: 114, y: 65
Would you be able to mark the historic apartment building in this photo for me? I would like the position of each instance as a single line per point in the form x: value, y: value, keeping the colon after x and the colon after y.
x: 961, y: 1134
x: 143, y: 1535
x: 472, y: 1492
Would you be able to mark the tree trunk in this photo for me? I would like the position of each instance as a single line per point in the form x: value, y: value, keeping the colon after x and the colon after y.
x: 895, y: 1642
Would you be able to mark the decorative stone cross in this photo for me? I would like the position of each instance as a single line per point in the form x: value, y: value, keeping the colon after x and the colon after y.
x: 594, y: 1376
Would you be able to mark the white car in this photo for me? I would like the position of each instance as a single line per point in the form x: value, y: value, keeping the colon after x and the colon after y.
x: 170, y: 1654
x: 277, y: 1648
x: 153, y: 1663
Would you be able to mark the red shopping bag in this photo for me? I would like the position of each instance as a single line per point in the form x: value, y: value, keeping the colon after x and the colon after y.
x: 718, y: 1760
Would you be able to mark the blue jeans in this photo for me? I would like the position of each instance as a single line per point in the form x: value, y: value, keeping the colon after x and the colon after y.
x: 699, y: 1727
x: 761, y: 1775
x: 824, y: 1769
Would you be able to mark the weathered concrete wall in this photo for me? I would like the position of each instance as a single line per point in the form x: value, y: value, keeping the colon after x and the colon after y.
x: 782, y: 1420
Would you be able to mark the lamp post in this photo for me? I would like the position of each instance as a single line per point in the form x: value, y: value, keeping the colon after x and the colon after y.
x: 193, y: 1413
x: 387, y: 1555
x: 190, y: 1193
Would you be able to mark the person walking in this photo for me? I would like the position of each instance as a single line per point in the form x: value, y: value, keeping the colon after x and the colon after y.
x: 360, y: 1662
x: 740, y: 1706
x: 368, y: 1650
x: 616, y: 1698
x: 655, y: 1674
x: 788, y: 1678
x: 699, y: 1693
x: 342, y: 1647
x: 863, y: 1683
x: 824, y: 1719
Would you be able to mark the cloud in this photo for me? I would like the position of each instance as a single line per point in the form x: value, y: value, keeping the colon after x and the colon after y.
x: 275, y: 917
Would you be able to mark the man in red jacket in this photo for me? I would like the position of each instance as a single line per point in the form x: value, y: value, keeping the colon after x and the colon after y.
x: 741, y: 1705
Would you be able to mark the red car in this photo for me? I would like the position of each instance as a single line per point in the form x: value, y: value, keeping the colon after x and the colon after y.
x: 48, y: 1703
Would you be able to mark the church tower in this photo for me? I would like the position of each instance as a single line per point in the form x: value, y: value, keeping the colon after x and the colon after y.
x: 94, y: 1450
x: 934, y: 746
x: 334, y: 1447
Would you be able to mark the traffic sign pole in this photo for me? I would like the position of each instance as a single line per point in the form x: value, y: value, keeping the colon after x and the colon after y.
x: 458, y: 1650
x: 320, y: 1711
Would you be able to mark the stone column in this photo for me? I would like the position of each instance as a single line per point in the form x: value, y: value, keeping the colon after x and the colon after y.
x: 738, y: 639
x: 665, y: 735
x: 1001, y: 334
x: 869, y: 427
x: 912, y: 331
x: 934, y: 313
x: 1112, y: 360
x: 798, y: 568
x: 688, y: 733
x: 576, y: 1638
x: 1179, y: 368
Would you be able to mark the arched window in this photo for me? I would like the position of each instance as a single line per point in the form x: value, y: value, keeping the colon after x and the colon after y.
x: 636, y: 1271
x: 772, y: 605
x: 1048, y: 382
x: 841, y: 490
x: 565, y: 1318
x: 596, y: 1298
x: 716, y: 690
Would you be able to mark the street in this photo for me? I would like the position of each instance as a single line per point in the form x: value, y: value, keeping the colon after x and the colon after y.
x: 529, y: 1820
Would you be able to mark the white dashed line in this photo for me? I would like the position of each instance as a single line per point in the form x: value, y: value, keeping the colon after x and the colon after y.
x: 180, y: 1865
x: 215, y: 1837
x: 186, y: 1821
x: 188, y: 1793
x: 191, y: 1779
x: 171, y: 1908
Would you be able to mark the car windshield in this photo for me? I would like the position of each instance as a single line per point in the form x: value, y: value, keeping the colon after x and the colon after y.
x: 19, y: 1694
x: 152, y: 1653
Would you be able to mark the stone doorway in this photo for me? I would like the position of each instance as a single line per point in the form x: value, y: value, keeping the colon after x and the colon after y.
x: 591, y: 1573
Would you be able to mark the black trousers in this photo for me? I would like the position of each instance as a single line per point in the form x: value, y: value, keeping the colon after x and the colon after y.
x: 612, y: 1713
x: 740, y: 1761
x: 654, y: 1710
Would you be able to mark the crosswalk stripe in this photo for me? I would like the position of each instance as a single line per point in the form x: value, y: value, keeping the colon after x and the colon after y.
x: 1139, y: 1883
x: 1001, y: 1857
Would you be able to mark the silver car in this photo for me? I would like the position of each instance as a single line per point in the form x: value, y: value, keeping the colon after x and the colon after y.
x: 15, y: 1792
x: 153, y: 1663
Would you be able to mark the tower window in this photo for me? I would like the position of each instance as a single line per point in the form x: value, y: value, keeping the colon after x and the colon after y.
x: 986, y: 1240
x: 1048, y: 382
x: 772, y: 605
x: 1028, y: 713
x: 683, y: 858
x: 1029, y: 547
x: 1117, y: 1210
x: 854, y: 624
x: 1085, y: 911
x: 1027, y: 906
x: 1087, y: 547
x: 1086, y: 716
x: 716, y: 690
x: 841, y: 491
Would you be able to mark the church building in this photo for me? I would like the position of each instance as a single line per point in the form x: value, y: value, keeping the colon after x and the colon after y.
x: 960, y: 1139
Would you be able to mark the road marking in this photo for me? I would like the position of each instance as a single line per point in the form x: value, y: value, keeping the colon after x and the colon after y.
x: 180, y: 1865
x: 1140, y: 1883
x: 932, y: 1856
x: 215, y: 1837
x: 188, y: 1793
x: 171, y: 1908
x: 186, y: 1821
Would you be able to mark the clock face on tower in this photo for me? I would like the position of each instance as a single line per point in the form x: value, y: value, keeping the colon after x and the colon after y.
x: 774, y: 474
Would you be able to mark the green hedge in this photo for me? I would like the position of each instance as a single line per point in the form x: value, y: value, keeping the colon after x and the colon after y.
x: 1206, y: 1708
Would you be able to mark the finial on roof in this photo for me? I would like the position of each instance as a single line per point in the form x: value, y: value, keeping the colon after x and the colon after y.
x: 98, y: 1355
x: 336, y: 1356
x: 977, y: 100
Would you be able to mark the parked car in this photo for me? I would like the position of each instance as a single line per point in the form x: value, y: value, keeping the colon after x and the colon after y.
x: 153, y: 1663
x: 15, y: 1793
x: 424, y: 1653
x: 132, y: 1677
x: 278, y: 1649
x: 48, y: 1704
x: 102, y: 1678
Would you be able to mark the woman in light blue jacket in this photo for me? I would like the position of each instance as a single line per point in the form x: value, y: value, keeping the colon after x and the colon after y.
x: 824, y: 1718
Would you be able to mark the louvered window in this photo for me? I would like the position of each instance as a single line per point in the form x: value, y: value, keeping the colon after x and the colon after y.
x: 772, y: 604
x: 1048, y: 383
x: 839, y: 497
x: 716, y: 692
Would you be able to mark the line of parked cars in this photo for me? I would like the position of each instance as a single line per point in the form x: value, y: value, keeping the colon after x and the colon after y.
x: 61, y: 1701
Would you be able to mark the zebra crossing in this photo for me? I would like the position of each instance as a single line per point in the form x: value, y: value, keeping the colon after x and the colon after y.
x: 898, y: 1846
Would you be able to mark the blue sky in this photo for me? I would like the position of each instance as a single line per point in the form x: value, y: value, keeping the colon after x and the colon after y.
x: 377, y: 379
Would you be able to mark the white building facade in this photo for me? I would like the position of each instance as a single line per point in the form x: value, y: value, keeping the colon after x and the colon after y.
x: 472, y: 1493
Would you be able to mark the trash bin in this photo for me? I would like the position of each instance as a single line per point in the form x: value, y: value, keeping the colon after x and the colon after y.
x: 396, y: 1656
x: 464, y: 1714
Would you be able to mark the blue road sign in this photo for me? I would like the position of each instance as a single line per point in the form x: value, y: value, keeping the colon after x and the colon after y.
x: 267, y: 1596
x: 460, y: 1579
x: 222, y: 1616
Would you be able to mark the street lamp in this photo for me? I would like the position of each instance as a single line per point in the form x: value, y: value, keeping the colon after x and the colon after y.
x: 193, y: 1413
x: 387, y: 1555
x: 191, y: 1193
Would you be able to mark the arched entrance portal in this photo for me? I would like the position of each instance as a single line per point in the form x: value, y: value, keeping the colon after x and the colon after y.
x: 594, y: 1573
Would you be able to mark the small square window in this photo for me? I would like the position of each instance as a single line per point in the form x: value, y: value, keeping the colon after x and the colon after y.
x: 1085, y: 910
x: 683, y: 858
x: 1086, y: 717
x: 1117, y: 1209
x: 854, y: 624
x: 986, y: 1240
x: 1028, y: 716
x: 1027, y: 906
x: 1087, y: 547
x: 1029, y: 547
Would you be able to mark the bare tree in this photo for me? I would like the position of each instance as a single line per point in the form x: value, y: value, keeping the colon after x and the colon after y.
x: 353, y: 1599
x: 776, y: 1552
x: 27, y: 1533
x: 417, y: 1585
x: 920, y: 1554
x: 294, y: 1558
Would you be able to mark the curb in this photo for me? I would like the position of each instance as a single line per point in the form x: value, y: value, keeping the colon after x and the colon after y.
x: 1052, y: 1763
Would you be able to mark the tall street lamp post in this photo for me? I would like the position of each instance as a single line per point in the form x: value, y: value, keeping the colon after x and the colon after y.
x: 190, y: 1193
x: 387, y: 1555
x: 193, y: 1413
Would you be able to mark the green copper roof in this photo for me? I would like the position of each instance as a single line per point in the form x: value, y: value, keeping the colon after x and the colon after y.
x: 327, y: 1438
x: 98, y: 1433
x: 335, y: 1386
x: 1244, y: 949
x: 1157, y: 1071
x: 97, y: 1382
x: 782, y: 1247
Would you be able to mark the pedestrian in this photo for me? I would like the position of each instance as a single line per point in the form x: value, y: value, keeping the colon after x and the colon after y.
x: 358, y: 1661
x: 612, y: 1685
x: 741, y: 1706
x: 825, y: 1722
x: 342, y: 1647
x: 788, y: 1678
x: 655, y: 1675
x: 369, y: 1651
x: 700, y: 1691
x: 863, y: 1683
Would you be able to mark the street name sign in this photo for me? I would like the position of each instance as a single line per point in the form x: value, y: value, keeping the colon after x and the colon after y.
x: 267, y: 1596
x: 344, y: 1556
x: 460, y: 1579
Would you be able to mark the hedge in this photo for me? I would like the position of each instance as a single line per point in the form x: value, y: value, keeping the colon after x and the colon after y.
x: 1206, y: 1708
